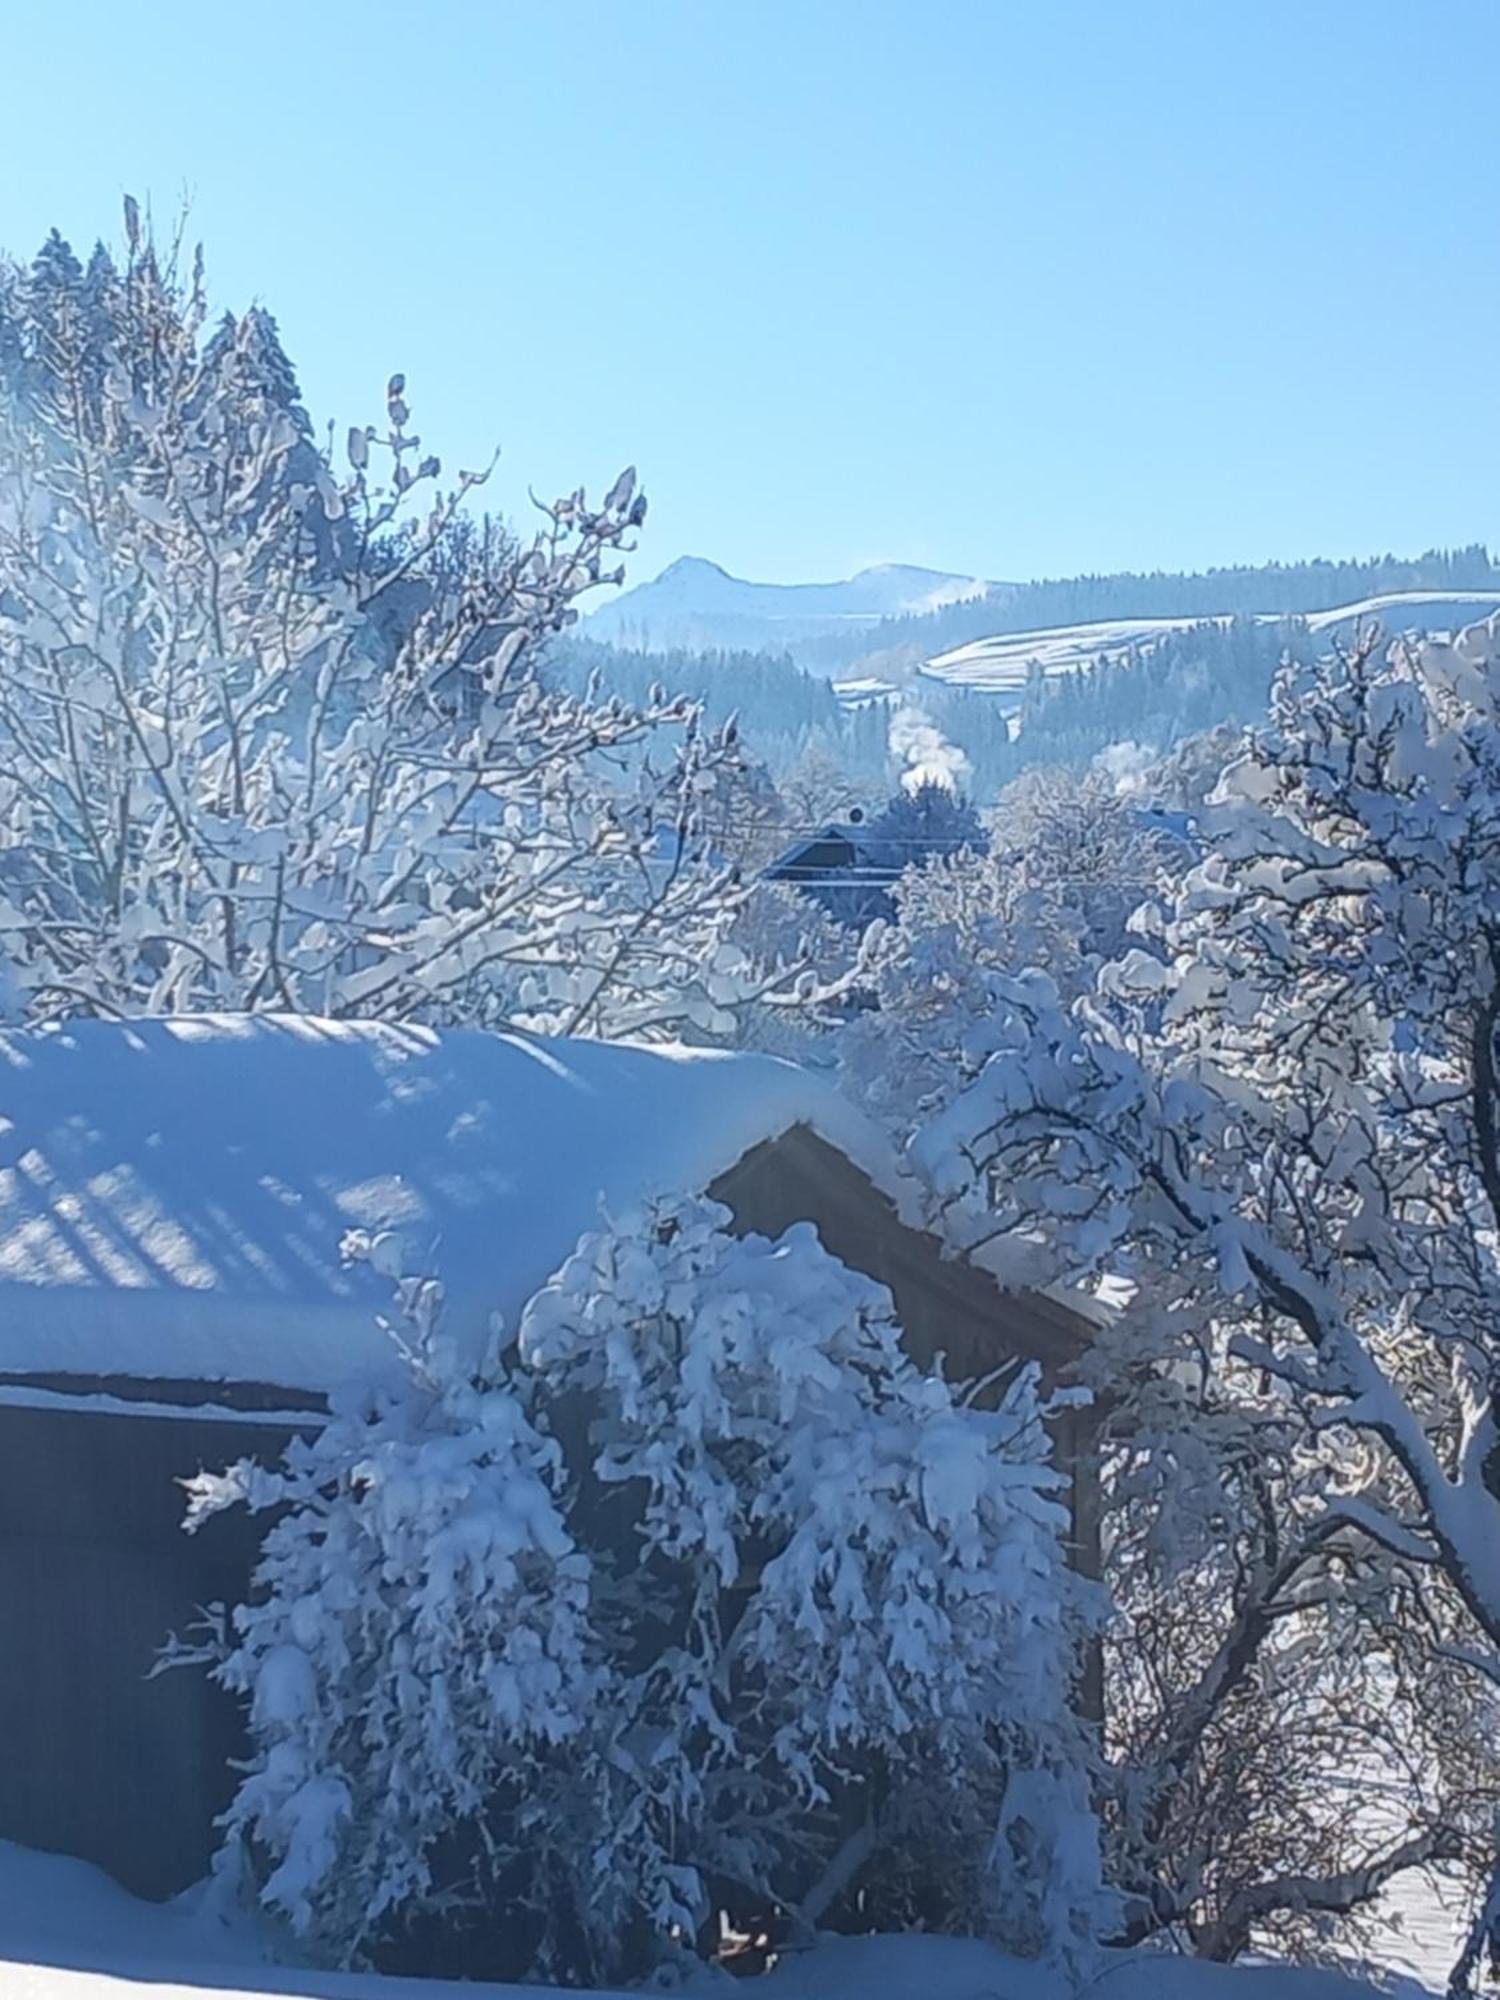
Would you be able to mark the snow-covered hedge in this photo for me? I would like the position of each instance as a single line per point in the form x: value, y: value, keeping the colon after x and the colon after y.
x: 700, y: 1603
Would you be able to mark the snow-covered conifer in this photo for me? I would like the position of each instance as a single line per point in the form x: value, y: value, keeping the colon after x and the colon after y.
x: 699, y: 1602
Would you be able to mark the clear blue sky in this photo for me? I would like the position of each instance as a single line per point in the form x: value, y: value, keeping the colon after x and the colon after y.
x: 1009, y: 288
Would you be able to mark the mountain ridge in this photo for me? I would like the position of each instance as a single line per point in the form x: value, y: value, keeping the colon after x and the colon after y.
x: 698, y: 603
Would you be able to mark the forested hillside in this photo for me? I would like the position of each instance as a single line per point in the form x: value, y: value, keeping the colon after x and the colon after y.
x: 1268, y: 588
x: 1177, y: 685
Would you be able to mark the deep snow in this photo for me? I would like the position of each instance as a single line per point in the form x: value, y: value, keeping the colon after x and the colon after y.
x: 68, y: 1933
x: 174, y: 1193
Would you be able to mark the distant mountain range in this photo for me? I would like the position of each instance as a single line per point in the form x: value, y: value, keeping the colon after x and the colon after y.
x: 696, y: 604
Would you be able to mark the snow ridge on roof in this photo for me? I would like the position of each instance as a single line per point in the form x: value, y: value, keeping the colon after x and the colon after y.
x: 173, y: 1192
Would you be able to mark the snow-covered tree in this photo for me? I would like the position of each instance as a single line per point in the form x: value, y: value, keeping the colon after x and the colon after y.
x: 1087, y: 855
x: 925, y: 820
x: 419, y: 1637
x: 778, y: 928
x: 698, y: 1603
x: 1050, y: 887
x: 1289, y: 1103
x: 53, y: 293
x: 1259, y: 1654
x: 1229, y: 1804
x: 272, y: 733
x: 857, y: 1571
x: 819, y: 788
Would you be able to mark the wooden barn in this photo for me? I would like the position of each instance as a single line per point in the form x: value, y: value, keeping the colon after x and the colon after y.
x: 173, y: 1196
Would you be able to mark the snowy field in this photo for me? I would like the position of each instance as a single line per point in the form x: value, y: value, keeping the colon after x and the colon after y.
x: 859, y: 693
x: 999, y: 665
x: 68, y: 1933
x: 1426, y: 1924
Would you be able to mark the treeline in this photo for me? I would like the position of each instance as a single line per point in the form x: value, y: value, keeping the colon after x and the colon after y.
x: 1177, y: 686
x: 1266, y: 588
x: 784, y: 712
x: 67, y: 327
x: 1154, y: 695
x: 768, y: 691
x: 1180, y: 685
x: 788, y: 715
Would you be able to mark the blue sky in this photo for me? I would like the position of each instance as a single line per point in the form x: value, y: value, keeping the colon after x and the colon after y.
x: 1016, y: 289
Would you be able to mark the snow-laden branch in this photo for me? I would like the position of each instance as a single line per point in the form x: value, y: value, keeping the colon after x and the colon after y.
x: 697, y: 1598
x: 1329, y: 1894
x: 274, y: 735
x: 1272, y: 1121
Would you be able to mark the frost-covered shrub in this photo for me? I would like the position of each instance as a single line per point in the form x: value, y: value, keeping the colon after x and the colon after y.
x: 700, y: 1602
x: 418, y: 1639
x: 860, y: 1574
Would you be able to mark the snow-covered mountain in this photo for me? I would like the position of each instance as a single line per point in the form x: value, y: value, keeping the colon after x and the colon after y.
x: 695, y: 603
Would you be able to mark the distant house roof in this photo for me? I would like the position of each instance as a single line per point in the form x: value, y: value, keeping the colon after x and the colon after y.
x: 833, y: 846
x: 173, y: 1193
x: 842, y: 868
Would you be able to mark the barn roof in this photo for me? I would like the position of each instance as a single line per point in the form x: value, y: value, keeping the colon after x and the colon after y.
x: 173, y: 1193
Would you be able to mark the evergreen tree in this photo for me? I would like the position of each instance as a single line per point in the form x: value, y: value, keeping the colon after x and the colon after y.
x: 248, y: 352
x: 12, y: 336
x: 55, y: 271
x: 925, y: 821
x: 265, y: 366
x: 99, y: 313
x: 219, y: 346
x: 54, y: 305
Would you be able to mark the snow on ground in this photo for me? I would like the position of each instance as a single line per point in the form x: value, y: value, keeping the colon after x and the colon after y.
x: 860, y: 692
x: 1425, y: 1923
x: 1000, y: 665
x: 68, y: 1933
x: 932, y: 1968
x: 1391, y: 609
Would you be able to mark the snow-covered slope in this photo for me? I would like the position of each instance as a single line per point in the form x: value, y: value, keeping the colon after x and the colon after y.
x: 1405, y: 610
x: 1000, y: 665
x: 695, y: 603
x: 173, y: 1193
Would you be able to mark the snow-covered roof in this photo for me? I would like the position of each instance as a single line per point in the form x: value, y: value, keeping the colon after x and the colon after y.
x: 812, y: 851
x: 173, y: 1193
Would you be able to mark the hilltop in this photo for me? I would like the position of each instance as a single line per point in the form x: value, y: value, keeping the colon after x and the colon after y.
x: 695, y: 603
